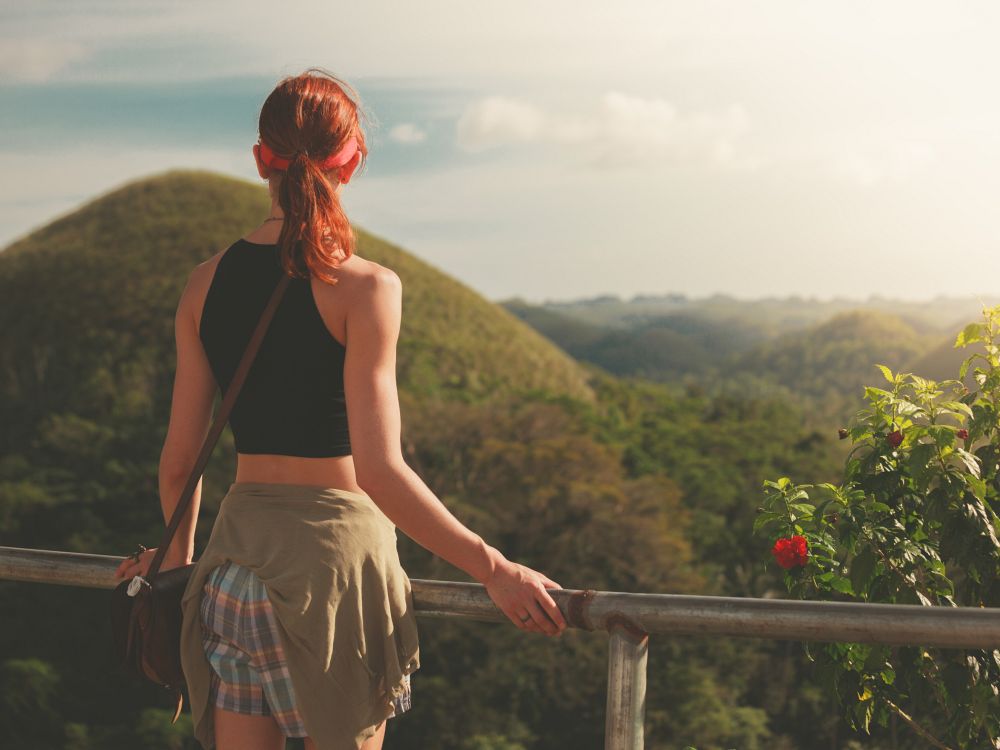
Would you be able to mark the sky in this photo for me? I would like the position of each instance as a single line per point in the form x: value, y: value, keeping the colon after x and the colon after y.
x: 553, y: 150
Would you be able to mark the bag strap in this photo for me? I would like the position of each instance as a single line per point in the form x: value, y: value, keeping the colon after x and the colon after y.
x: 219, y: 424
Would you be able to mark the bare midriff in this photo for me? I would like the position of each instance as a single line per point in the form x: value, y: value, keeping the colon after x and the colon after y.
x: 337, y: 471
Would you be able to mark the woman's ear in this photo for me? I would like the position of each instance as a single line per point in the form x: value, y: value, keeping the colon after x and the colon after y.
x: 345, y: 173
x: 262, y: 170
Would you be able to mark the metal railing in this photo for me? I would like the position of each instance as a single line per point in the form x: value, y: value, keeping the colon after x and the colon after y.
x: 628, y: 619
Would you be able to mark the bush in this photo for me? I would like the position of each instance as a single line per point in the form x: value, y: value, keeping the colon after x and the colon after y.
x: 914, y: 521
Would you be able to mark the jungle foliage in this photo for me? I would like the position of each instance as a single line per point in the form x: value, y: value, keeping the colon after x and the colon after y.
x: 914, y: 521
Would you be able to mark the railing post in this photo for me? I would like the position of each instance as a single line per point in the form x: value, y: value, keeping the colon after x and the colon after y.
x: 626, y: 711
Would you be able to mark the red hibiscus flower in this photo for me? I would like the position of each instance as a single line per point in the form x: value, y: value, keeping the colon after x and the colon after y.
x: 791, y: 551
x: 962, y: 434
x: 895, y: 438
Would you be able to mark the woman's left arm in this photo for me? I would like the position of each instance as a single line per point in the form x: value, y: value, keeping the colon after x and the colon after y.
x: 190, y: 417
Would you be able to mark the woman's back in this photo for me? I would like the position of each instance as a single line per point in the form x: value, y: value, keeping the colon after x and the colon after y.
x: 290, y: 422
x: 292, y: 402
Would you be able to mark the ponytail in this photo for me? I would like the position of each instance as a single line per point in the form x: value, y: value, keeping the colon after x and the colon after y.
x: 316, y: 235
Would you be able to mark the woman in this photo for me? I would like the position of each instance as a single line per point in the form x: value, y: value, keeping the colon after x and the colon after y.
x: 298, y: 619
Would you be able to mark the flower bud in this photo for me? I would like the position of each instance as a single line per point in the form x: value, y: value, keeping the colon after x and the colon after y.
x: 895, y: 438
x: 962, y: 434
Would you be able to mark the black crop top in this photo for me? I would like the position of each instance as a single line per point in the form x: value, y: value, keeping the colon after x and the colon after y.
x: 292, y: 402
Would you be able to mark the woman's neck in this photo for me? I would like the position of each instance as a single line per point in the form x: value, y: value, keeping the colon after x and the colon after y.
x: 268, y: 231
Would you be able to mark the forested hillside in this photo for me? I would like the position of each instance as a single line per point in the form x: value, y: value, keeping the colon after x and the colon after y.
x: 772, y: 316
x: 599, y: 482
x: 666, y: 348
x: 831, y: 363
x: 823, y: 365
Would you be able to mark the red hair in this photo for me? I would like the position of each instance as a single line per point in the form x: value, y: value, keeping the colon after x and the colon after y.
x: 309, y: 117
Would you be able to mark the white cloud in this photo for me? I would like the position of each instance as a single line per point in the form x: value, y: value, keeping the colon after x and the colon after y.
x: 623, y: 130
x: 37, y: 60
x: 893, y: 163
x: 634, y: 128
x: 499, y: 121
x: 407, y: 132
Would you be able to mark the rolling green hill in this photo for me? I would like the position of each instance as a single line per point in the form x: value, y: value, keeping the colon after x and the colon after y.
x: 662, y: 348
x: 826, y: 362
x: 831, y: 362
x: 89, y: 303
x: 769, y: 316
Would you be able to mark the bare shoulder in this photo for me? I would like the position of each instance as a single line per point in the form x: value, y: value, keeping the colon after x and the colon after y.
x: 198, y: 283
x: 204, y: 271
x: 365, y: 280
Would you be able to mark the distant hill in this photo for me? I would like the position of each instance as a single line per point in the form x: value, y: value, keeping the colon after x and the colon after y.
x: 944, y: 361
x: 89, y: 301
x: 827, y: 362
x: 572, y: 334
x: 770, y: 315
x: 663, y: 348
x: 832, y: 362
x: 817, y: 349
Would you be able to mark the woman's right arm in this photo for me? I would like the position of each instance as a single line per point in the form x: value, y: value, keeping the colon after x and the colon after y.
x: 373, y: 324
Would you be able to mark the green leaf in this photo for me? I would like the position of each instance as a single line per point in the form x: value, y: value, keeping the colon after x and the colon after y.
x: 906, y: 408
x: 763, y: 519
x: 863, y: 714
x: 862, y: 570
x: 966, y: 364
x: 920, y: 456
x: 886, y: 373
x: 978, y: 487
x: 822, y: 505
x: 970, y: 461
x: 978, y: 511
x: 957, y: 406
x: 876, y: 658
x: 842, y: 585
x: 944, y: 435
x: 875, y: 394
x: 971, y: 334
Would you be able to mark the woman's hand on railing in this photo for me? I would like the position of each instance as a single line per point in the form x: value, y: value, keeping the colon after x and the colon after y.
x: 520, y: 593
x: 130, y: 567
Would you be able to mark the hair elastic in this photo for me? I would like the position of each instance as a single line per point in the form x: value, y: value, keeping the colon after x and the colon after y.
x: 339, y: 159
